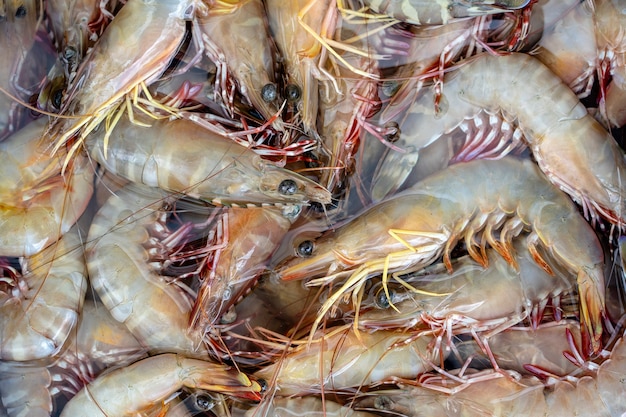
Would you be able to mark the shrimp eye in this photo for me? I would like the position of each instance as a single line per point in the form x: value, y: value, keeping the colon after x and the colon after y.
x: 269, y: 92
x: 305, y: 249
x: 381, y: 300
x: 57, y: 98
x: 392, y: 132
x: 204, y: 402
x: 293, y: 92
x: 287, y: 187
x: 20, y: 12
x: 383, y: 403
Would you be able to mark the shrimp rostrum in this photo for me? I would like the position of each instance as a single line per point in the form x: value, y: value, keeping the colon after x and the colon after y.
x: 471, y: 202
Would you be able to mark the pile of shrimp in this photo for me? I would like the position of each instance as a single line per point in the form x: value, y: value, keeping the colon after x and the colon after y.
x: 335, y: 207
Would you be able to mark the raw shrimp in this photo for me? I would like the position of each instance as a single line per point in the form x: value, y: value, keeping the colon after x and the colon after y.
x: 301, y: 50
x: 38, y: 204
x: 75, y: 27
x: 135, y: 49
x: 437, y: 12
x: 496, y: 394
x: 340, y: 359
x: 154, y: 310
x: 470, y: 299
x: 568, y: 42
x: 17, y: 35
x: 36, y: 324
x: 183, y: 157
x: 610, y: 20
x: 29, y: 389
x: 478, y: 197
x: 236, y: 37
x: 127, y: 391
x: 570, y: 146
x: 252, y: 236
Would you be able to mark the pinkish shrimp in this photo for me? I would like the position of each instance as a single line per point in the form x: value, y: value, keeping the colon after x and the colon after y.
x: 470, y: 202
x: 153, y: 308
x: 568, y: 43
x: 339, y: 359
x: 507, y: 394
x: 41, y: 310
x: 149, y: 382
x: 75, y: 27
x: 127, y: 56
x: 610, y: 22
x: 301, y: 50
x: 570, y: 146
x: 252, y: 235
x: 468, y: 300
x: 18, y: 30
x: 181, y: 156
x: 39, y: 205
x: 297, y: 406
x: 236, y: 37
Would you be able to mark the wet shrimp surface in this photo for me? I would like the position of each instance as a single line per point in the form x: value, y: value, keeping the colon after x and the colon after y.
x: 342, y: 208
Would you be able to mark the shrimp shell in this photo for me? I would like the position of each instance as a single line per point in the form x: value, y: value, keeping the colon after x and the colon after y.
x: 155, y: 312
x: 417, y: 226
x: 137, y: 387
x: 38, y: 326
x: 183, y: 157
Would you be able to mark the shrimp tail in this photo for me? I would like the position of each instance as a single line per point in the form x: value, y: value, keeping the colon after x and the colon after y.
x: 592, y: 312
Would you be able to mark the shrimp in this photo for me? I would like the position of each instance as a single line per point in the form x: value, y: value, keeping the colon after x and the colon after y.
x: 236, y: 37
x: 340, y: 359
x: 470, y: 299
x: 74, y: 31
x: 182, y: 157
x: 38, y: 204
x: 498, y: 394
x: 414, y: 228
x: 17, y: 36
x: 30, y: 389
x: 300, y: 50
x: 428, y: 12
x: 54, y: 285
x: 570, y: 146
x: 610, y: 22
x: 568, y: 43
x: 127, y: 391
x: 252, y: 235
x: 155, y: 311
x: 134, y: 50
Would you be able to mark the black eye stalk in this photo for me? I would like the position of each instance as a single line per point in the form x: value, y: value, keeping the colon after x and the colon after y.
x: 287, y: 187
x: 293, y: 92
x: 305, y: 249
x: 269, y: 92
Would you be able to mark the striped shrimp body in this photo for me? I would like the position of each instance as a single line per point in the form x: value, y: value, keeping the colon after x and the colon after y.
x: 494, y: 394
x: 479, y: 197
x: 340, y: 359
x: 155, y: 311
x: 55, y: 281
x: 437, y: 12
x: 39, y: 204
x: 570, y: 146
x: 237, y: 39
x: 149, y: 382
x: 182, y: 157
